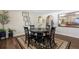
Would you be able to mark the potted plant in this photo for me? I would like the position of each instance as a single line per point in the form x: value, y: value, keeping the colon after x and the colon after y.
x: 10, y: 32
x: 3, y: 20
x: 2, y: 33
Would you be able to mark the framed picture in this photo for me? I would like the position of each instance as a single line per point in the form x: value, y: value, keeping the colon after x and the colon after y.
x: 69, y: 19
x: 26, y: 18
x: 24, y: 13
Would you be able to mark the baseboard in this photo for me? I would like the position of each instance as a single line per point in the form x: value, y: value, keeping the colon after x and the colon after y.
x: 68, y: 35
x: 17, y: 35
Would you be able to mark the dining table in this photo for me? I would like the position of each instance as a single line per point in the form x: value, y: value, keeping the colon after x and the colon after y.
x: 39, y: 30
x: 42, y: 36
x: 39, y: 34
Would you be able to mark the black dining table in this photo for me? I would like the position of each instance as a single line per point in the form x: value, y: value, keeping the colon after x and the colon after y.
x: 41, y: 36
x: 39, y: 33
x: 39, y: 30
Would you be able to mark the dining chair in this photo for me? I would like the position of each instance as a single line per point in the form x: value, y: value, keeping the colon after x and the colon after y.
x: 47, y: 26
x: 31, y: 33
x: 27, y: 36
x: 32, y: 26
x: 51, y: 37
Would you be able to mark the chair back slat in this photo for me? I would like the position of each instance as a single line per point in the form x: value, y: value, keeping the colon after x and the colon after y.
x: 52, y: 33
x: 47, y: 26
x: 32, y: 26
x: 26, y: 32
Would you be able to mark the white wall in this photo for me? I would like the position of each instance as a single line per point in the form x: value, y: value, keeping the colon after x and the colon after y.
x: 16, y: 23
x: 73, y: 32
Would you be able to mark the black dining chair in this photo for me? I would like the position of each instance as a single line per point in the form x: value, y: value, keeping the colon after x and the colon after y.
x: 27, y: 36
x: 32, y: 26
x: 31, y: 33
x: 51, y: 37
x: 47, y: 26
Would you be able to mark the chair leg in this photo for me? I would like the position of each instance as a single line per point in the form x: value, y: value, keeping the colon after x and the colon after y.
x: 50, y: 41
x: 25, y: 39
x: 28, y: 42
x: 69, y: 45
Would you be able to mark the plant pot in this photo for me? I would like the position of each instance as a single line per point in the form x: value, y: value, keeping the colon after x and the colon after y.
x: 2, y: 35
x: 10, y: 34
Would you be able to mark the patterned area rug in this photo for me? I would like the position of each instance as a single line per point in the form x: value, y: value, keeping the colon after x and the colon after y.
x: 60, y: 44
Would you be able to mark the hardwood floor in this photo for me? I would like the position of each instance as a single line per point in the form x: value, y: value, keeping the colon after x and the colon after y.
x: 9, y: 44
x: 74, y: 41
x: 12, y: 43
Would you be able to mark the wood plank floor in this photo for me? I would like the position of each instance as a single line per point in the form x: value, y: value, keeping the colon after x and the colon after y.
x: 74, y: 41
x: 9, y: 44
x: 12, y: 43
